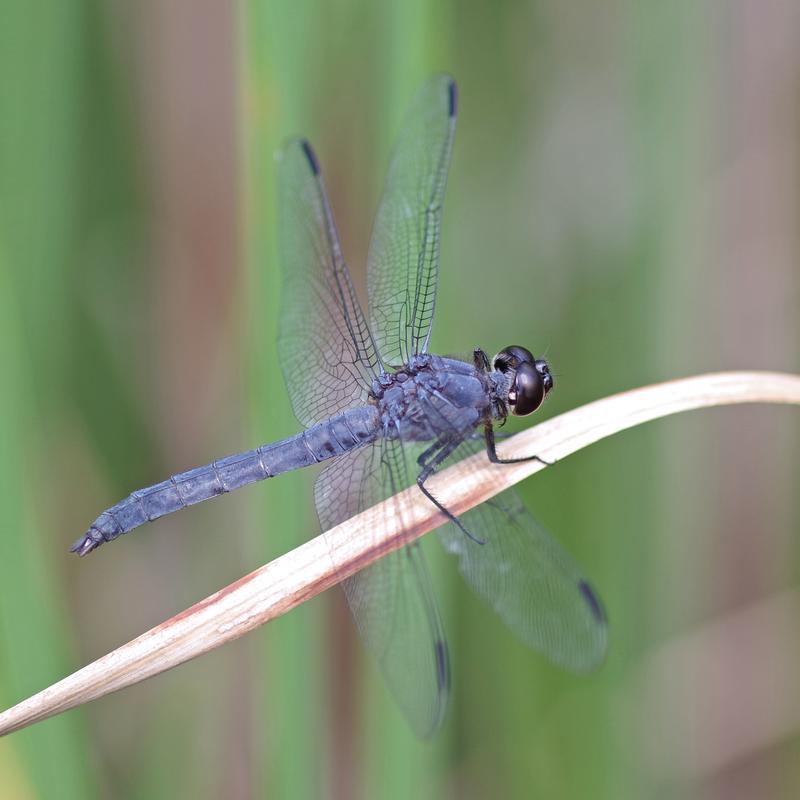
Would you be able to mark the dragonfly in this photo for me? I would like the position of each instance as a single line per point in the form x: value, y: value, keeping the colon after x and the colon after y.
x: 381, y: 413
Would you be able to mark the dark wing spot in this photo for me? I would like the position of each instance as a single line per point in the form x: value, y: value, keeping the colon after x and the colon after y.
x: 442, y: 666
x: 593, y: 601
x: 310, y: 157
x: 453, y: 99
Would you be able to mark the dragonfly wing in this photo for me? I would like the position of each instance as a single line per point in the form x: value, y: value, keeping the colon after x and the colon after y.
x: 404, y: 250
x: 392, y: 600
x: 528, y: 579
x: 326, y: 350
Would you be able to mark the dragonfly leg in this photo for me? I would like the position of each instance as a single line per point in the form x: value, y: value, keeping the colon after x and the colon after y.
x: 481, y: 360
x: 429, y: 461
x: 424, y: 456
x: 491, y: 451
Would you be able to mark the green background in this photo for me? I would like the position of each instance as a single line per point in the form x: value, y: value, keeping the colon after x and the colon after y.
x: 624, y: 195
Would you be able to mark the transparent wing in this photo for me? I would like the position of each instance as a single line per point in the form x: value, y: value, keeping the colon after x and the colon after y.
x: 526, y: 577
x: 392, y: 600
x: 326, y: 350
x: 404, y: 249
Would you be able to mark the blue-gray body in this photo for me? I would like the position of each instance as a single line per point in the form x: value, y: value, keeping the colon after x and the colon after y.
x: 431, y: 397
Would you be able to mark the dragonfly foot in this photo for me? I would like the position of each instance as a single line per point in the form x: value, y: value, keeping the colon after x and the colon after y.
x: 467, y: 533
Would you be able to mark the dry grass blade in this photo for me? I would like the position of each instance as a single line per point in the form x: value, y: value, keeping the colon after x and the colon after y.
x: 313, y: 567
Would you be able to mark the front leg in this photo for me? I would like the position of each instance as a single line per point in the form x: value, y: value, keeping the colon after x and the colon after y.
x: 491, y: 450
x: 481, y: 360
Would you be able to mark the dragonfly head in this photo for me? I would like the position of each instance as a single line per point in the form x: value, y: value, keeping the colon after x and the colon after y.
x: 530, y: 379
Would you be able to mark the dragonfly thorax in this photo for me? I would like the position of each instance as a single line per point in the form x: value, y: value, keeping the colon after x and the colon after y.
x: 431, y: 396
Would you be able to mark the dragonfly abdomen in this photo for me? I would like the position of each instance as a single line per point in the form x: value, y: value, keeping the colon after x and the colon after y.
x: 321, y: 442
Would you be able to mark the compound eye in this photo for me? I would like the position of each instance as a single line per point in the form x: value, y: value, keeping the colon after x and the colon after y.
x: 527, y: 391
x: 511, y: 357
x: 543, y: 369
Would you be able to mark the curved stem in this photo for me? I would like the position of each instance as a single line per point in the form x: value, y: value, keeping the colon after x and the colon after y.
x: 315, y: 566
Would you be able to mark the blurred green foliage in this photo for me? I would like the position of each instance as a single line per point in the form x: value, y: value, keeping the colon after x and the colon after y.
x: 622, y: 195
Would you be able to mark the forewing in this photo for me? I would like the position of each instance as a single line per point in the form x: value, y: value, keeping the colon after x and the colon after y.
x: 326, y: 350
x: 404, y: 249
x: 392, y: 600
x: 528, y: 579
